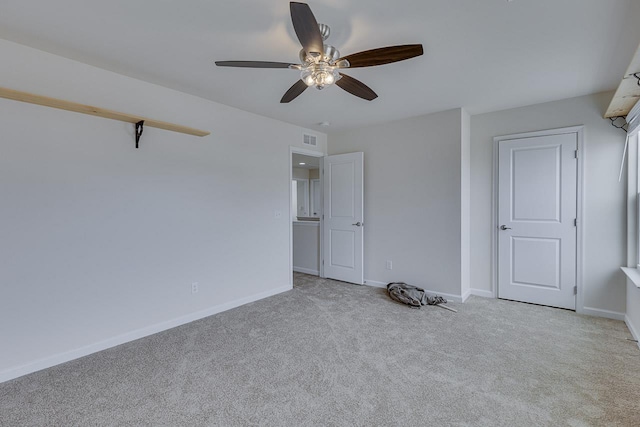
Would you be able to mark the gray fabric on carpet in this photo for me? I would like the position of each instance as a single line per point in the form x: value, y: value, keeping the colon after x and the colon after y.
x: 330, y: 353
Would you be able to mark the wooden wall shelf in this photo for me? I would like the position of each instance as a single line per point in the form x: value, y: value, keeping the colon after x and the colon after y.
x: 628, y: 92
x: 95, y: 111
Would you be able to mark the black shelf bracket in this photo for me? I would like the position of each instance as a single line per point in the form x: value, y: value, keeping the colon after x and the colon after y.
x: 139, y: 130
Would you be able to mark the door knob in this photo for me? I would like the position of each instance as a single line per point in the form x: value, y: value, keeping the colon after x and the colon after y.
x: 504, y: 227
x: 357, y: 224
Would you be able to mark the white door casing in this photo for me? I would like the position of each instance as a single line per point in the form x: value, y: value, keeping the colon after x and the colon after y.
x: 537, y: 210
x: 343, y: 210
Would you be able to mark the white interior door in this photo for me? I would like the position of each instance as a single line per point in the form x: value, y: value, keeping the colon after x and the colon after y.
x: 537, y: 180
x: 343, y: 245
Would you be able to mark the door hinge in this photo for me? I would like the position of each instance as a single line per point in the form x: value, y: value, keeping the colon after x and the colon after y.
x: 575, y: 222
x: 575, y: 290
x: 575, y: 153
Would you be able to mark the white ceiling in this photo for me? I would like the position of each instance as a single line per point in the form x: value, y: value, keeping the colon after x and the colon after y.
x: 484, y: 55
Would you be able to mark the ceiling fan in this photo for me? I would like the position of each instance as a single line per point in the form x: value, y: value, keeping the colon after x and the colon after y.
x: 321, y: 63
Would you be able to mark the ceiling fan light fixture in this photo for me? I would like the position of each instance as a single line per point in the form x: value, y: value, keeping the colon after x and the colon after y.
x: 319, y: 75
x: 324, y: 79
x: 306, y: 75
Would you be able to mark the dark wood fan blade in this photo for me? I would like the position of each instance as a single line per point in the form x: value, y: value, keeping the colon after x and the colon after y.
x: 253, y: 64
x: 356, y: 87
x: 293, y: 92
x: 306, y: 28
x: 383, y: 55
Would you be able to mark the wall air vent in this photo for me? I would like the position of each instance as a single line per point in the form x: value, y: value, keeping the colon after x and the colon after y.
x: 310, y: 140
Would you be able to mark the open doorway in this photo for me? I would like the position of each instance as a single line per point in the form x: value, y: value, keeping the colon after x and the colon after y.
x: 305, y: 212
x: 329, y: 241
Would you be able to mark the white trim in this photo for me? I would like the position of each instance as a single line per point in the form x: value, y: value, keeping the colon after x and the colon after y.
x: 579, y: 131
x: 580, y: 214
x: 634, y: 332
x: 558, y: 131
x: 311, y: 153
x: 305, y: 151
x: 632, y: 274
x: 494, y: 221
x: 481, y: 293
x: 453, y: 298
x: 306, y: 271
x: 632, y: 202
x: 466, y: 295
x: 607, y: 314
x: 375, y: 284
x: 67, y: 356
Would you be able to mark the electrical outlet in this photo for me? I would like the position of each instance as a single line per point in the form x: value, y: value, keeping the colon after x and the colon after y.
x: 194, y: 288
x: 389, y: 265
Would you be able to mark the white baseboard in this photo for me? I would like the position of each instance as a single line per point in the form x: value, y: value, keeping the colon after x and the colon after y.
x: 597, y: 312
x: 466, y: 295
x: 449, y: 297
x: 634, y: 331
x: 482, y: 293
x: 306, y: 271
x: 56, y: 359
x: 375, y: 284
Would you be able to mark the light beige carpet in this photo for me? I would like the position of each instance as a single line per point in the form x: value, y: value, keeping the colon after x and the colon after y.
x: 330, y: 353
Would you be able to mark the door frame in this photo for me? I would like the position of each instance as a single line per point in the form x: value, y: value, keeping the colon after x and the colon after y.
x: 311, y: 153
x: 579, y: 131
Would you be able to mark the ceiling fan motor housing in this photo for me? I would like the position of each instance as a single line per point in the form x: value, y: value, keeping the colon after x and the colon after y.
x: 330, y: 54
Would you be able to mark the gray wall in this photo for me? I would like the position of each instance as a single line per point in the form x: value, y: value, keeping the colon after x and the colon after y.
x: 100, y: 241
x: 412, y: 193
x: 604, y: 198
